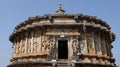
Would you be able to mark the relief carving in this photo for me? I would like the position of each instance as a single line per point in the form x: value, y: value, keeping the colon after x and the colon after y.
x: 23, y: 47
x: 75, y: 46
x: 90, y: 44
x: 29, y: 46
x: 52, y: 47
x: 45, y: 43
x: 81, y: 46
x: 35, y: 47
x: 18, y: 48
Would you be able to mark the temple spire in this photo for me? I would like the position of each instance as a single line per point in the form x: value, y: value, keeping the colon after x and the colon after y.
x: 59, y: 10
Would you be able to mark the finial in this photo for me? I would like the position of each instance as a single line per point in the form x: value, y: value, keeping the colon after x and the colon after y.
x: 59, y: 10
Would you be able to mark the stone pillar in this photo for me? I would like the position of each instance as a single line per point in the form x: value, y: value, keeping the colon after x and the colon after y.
x: 70, y: 49
x: 14, y: 49
x: 26, y: 40
x: 16, y: 46
x: 32, y: 43
x: 20, y: 46
x: 85, y: 48
x: 39, y: 42
x: 100, y: 52
x: 103, y: 44
x: 93, y: 43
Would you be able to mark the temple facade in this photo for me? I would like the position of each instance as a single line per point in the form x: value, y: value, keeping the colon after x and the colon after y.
x: 62, y: 40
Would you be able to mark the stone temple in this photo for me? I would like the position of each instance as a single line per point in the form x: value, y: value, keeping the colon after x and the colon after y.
x: 62, y: 40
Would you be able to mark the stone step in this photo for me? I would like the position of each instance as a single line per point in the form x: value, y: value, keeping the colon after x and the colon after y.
x: 63, y: 65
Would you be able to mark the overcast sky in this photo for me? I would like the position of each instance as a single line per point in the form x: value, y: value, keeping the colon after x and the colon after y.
x: 13, y: 12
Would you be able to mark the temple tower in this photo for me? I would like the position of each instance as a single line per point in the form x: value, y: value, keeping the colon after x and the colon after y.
x: 62, y: 40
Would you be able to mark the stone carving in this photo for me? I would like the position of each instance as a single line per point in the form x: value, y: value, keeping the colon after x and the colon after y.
x: 29, y: 46
x: 18, y: 48
x: 75, y: 46
x: 14, y: 49
x: 97, y: 44
x: 23, y: 47
x: 52, y: 47
x: 81, y: 46
x: 35, y: 47
x: 45, y: 43
x: 89, y: 44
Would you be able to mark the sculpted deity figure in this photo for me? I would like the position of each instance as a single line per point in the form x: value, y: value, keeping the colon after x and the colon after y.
x: 52, y: 47
x: 75, y: 46
x: 45, y: 43
x: 81, y: 46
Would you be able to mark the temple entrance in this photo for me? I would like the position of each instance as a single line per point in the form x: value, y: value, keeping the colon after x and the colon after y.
x: 62, y: 49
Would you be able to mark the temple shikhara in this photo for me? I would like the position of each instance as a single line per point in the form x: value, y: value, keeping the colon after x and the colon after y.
x: 62, y: 40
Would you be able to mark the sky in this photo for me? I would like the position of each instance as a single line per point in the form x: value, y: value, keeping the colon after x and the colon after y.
x: 13, y: 12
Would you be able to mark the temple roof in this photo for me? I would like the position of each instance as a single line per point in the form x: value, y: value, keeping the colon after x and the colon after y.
x: 48, y: 19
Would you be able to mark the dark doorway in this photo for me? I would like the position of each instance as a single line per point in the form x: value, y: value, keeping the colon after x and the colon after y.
x: 62, y: 49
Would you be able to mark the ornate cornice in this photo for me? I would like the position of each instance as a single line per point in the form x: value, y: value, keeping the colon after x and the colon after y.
x: 48, y: 19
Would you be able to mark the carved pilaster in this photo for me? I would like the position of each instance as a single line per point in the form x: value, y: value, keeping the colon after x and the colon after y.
x: 85, y: 48
x: 40, y: 42
x: 14, y: 49
x: 103, y: 44
x: 75, y: 45
x: 26, y: 40
x: 93, y: 42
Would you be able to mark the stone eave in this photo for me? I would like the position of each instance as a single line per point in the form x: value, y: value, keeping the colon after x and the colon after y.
x: 98, y: 23
x: 52, y: 16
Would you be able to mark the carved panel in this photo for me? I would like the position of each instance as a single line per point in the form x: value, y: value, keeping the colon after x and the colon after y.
x: 45, y: 43
x: 90, y: 44
x: 23, y: 47
x: 64, y: 30
x: 29, y: 45
x: 35, y: 47
x: 75, y: 46
x: 52, y: 46
x: 81, y: 44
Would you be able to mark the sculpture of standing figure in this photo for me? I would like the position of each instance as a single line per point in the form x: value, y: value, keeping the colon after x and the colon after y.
x: 75, y: 47
x: 45, y: 43
x: 52, y: 47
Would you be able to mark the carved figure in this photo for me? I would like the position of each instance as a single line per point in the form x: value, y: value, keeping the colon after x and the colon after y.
x: 81, y: 46
x: 52, y: 47
x: 45, y: 43
x: 75, y: 47
x: 35, y: 47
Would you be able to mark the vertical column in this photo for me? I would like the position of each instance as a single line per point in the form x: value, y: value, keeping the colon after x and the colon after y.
x: 107, y: 46
x: 99, y: 44
x: 93, y: 42
x: 85, y: 48
x: 103, y: 45
x: 32, y: 43
x: 20, y: 46
x: 90, y: 42
x: 26, y: 40
x: 14, y: 49
x: 17, y: 46
x: 71, y: 50
x: 85, y: 39
x: 39, y: 41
